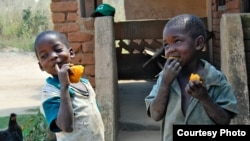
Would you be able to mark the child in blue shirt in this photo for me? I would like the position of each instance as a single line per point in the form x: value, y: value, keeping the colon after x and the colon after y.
x: 175, y: 99
x: 70, y: 108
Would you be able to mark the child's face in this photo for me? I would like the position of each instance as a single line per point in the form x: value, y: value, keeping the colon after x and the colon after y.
x: 51, y: 51
x: 178, y: 44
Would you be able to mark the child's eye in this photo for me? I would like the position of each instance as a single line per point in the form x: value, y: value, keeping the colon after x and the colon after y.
x: 43, y: 56
x: 58, y: 49
x: 178, y: 42
x: 166, y: 45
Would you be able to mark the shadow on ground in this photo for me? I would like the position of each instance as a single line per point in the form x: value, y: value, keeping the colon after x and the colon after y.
x: 134, y: 123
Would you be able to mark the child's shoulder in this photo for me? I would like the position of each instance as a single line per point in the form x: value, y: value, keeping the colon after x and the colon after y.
x: 84, y: 80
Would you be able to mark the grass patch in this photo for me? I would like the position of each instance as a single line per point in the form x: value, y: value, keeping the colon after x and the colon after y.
x: 21, y: 120
x: 22, y: 21
x: 34, y: 127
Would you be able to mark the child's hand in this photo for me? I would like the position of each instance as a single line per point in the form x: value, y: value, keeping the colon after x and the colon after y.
x: 196, y: 89
x: 63, y: 74
x: 171, y: 70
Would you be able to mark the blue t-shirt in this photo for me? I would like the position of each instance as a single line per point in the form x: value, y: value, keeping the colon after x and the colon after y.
x: 218, y: 89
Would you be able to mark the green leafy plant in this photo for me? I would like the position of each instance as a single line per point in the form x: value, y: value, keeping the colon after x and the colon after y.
x: 35, y: 128
x: 32, y: 24
x: 19, y: 30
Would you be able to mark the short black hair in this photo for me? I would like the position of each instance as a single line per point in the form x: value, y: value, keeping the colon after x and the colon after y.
x: 188, y: 23
x: 59, y: 35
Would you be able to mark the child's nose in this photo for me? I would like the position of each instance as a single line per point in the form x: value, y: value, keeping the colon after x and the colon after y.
x: 169, y: 49
x: 53, y: 55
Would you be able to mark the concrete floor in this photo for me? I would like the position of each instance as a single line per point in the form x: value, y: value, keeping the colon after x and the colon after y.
x: 135, y: 125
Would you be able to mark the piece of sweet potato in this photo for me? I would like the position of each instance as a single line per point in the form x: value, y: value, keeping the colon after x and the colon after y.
x: 76, y: 73
x: 194, y: 77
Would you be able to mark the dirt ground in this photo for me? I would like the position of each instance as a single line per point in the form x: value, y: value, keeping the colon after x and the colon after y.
x: 20, y: 83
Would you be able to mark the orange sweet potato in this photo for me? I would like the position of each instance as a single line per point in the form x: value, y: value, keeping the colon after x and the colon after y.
x: 174, y: 57
x: 77, y: 71
x: 194, y: 77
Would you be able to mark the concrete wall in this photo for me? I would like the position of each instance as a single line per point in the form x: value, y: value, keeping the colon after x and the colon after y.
x: 156, y: 9
x: 106, y: 75
x: 233, y: 62
x: 81, y: 35
x: 231, y: 6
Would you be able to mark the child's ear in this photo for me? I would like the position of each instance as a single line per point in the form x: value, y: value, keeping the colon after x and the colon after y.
x: 72, y: 54
x: 200, y: 42
x: 40, y: 66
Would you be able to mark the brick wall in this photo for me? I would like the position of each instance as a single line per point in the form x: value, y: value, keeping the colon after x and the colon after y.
x: 231, y: 6
x: 79, y: 31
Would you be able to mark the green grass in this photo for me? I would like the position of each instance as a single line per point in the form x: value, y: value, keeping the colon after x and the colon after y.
x: 34, y: 127
x: 21, y: 120
x: 21, y: 21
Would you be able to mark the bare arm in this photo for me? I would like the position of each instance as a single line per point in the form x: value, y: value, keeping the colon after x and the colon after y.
x: 214, y: 111
x: 65, y: 117
x: 159, y: 104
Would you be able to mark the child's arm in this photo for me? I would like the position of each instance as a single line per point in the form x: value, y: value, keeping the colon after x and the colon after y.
x: 159, y: 104
x: 65, y: 117
x: 214, y: 111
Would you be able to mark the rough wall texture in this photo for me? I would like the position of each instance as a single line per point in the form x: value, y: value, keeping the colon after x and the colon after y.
x: 156, y: 9
x: 231, y: 6
x: 234, y: 62
x: 107, y: 81
x: 79, y: 31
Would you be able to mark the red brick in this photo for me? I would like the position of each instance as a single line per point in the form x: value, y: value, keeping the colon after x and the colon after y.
x: 214, y: 14
x: 89, y: 24
x: 233, y: 4
x: 79, y: 37
x: 219, y: 13
x: 217, y: 35
x: 214, y: 7
x: 76, y: 47
x: 77, y: 59
x: 216, y: 28
x: 217, y: 58
x: 216, y: 49
x: 216, y: 21
x: 233, y: 11
x: 58, y: 17
x: 217, y: 43
x: 89, y: 7
x: 70, y: 6
x: 88, y: 59
x: 83, y: 59
x: 67, y: 27
x: 72, y: 17
x: 91, y: 80
x: 89, y: 70
x: 88, y: 47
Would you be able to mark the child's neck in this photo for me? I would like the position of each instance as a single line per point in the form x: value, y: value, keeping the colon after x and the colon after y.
x: 195, y: 67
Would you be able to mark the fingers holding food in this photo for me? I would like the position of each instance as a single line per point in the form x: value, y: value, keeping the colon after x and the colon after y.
x: 174, y: 58
x: 194, y: 77
x: 76, y: 72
